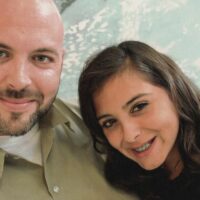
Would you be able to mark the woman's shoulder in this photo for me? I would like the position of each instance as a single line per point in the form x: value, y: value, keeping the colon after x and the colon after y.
x: 186, y: 186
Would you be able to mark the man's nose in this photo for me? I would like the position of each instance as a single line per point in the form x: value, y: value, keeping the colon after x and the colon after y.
x: 18, y: 76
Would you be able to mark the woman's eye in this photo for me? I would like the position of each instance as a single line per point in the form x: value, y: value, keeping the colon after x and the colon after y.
x: 138, y: 107
x: 108, y: 123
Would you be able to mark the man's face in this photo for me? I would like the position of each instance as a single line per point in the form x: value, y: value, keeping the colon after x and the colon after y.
x: 31, y: 56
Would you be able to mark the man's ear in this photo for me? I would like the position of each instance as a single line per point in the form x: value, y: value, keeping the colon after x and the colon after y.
x: 63, y: 55
x: 64, y: 52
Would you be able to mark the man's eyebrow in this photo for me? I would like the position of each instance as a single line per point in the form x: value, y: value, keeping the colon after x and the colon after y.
x: 47, y: 50
x: 135, y: 98
x: 40, y: 50
x: 4, y: 46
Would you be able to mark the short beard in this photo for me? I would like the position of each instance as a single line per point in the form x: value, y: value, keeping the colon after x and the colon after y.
x: 6, y: 128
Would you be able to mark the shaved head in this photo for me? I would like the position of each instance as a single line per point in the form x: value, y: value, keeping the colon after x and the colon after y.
x: 31, y: 57
x: 44, y: 7
x: 29, y: 12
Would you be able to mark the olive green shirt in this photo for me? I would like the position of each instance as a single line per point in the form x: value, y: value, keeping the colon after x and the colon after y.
x: 71, y: 169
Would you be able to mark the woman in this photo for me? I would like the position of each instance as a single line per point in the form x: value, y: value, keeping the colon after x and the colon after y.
x: 144, y: 114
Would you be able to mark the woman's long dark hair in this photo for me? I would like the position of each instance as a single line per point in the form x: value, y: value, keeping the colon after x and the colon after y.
x: 161, y: 71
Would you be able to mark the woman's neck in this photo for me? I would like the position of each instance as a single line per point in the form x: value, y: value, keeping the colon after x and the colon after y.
x: 174, y: 163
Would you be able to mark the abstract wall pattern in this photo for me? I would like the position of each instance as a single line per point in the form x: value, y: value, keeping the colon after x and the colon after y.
x: 172, y: 26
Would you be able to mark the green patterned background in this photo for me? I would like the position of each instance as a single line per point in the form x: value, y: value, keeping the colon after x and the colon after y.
x: 171, y: 26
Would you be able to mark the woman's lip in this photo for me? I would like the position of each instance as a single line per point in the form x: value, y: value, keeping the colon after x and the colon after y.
x: 145, y: 152
x: 142, y: 144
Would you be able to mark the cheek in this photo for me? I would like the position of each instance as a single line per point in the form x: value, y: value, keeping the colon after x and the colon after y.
x: 114, y: 139
x: 163, y: 117
x: 168, y: 125
x: 48, y: 82
x: 172, y: 129
x: 171, y: 124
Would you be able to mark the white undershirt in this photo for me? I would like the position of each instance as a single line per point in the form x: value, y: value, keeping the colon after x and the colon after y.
x: 26, y: 146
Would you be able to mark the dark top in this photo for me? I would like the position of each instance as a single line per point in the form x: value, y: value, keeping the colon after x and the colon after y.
x: 184, y: 187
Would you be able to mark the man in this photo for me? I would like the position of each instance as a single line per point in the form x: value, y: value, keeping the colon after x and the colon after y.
x: 45, y: 151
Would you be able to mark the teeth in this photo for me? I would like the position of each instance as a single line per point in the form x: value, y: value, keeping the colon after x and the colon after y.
x: 143, y: 147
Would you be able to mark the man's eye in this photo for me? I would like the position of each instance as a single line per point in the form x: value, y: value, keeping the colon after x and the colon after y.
x: 138, y: 107
x: 42, y: 59
x: 108, y: 123
x: 3, y: 54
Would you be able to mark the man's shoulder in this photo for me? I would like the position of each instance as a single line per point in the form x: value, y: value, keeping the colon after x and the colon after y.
x: 67, y: 107
x: 62, y: 112
x: 67, y: 115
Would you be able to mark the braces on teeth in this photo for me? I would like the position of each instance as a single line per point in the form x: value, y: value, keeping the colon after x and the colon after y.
x: 143, y: 148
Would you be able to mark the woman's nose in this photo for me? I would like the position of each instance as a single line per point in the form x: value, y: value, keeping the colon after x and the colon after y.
x: 131, y: 131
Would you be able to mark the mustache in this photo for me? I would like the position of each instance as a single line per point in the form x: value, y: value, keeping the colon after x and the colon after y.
x: 19, y: 94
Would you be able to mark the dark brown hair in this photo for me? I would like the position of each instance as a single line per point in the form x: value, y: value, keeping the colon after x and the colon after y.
x: 159, y: 70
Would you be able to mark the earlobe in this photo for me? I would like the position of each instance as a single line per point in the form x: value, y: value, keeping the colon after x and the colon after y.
x: 63, y: 56
x: 64, y: 53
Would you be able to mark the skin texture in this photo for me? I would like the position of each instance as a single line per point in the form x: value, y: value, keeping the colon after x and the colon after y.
x: 133, y: 112
x: 31, y: 56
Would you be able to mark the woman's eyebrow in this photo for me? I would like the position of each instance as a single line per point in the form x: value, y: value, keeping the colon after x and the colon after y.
x: 102, y: 116
x: 126, y: 105
x: 134, y: 98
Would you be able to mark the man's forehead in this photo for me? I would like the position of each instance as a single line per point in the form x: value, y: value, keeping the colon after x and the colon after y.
x: 29, y: 8
x: 35, y: 13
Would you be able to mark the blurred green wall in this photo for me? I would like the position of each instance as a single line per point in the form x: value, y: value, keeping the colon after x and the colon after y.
x: 171, y: 26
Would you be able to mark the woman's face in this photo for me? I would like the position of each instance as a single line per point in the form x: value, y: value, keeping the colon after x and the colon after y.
x: 138, y: 118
